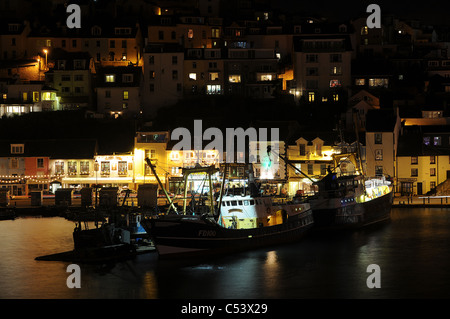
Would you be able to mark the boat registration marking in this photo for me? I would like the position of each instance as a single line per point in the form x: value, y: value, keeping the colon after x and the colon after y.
x: 206, y: 233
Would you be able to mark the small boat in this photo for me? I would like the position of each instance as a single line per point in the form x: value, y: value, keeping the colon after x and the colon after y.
x: 229, y: 224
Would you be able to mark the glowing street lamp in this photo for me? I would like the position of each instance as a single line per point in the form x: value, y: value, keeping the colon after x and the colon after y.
x: 45, y: 51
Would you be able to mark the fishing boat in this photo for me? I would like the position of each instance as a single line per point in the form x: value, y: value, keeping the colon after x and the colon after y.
x: 228, y: 224
x: 347, y: 198
x: 351, y: 200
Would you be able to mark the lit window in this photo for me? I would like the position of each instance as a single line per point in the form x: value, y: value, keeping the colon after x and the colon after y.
x: 266, y: 77
x: 335, y: 97
x: 364, y: 30
x: 59, y: 167
x: 35, y: 96
x: 47, y: 96
x: 193, y: 76
x: 335, y: 83
x: 437, y: 141
x: 379, y: 82
x: 378, y: 155
x: 360, y: 82
x: 311, y: 96
x: 24, y: 96
x: 213, y: 89
x: 336, y: 70
x: 122, y: 168
x: 174, y: 156
x: 190, y: 33
x: 234, y: 79
x: 213, y: 76
x: 215, y: 33
x: 125, y: 95
x: 110, y: 78
x: 105, y: 168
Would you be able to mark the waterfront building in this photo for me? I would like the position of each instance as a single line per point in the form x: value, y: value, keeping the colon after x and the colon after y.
x: 12, y: 167
x: 114, y: 170
x: 151, y: 145
x: 383, y: 129
x: 46, y: 165
x: 310, y: 153
x: 423, y: 160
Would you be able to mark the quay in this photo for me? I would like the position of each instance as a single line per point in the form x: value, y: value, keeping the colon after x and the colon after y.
x: 23, y: 207
x: 421, y: 201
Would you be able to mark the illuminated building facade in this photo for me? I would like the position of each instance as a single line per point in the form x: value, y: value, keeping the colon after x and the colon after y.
x: 310, y: 154
x: 29, y: 97
x: 382, y: 134
x: 151, y: 145
x: 423, y: 160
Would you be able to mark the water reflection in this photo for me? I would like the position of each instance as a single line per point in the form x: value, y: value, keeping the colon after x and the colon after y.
x: 412, y: 251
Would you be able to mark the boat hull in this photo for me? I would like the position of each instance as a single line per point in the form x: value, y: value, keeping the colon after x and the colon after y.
x: 186, y: 236
x: 351, y: 215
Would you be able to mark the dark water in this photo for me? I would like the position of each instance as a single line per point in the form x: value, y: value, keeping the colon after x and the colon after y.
x: 412, y: 251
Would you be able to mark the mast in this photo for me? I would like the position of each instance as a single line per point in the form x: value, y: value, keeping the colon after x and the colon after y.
x: 149, y: 163
x: 225, y: 169
x: 358, y: 149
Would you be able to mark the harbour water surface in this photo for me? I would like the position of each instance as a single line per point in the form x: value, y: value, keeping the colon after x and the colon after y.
x: 412, y: 251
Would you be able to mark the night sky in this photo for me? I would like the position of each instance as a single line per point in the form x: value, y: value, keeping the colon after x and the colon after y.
x: 430, y: 11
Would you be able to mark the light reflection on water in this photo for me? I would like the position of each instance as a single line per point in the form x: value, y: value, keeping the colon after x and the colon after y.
x: 413, y: 252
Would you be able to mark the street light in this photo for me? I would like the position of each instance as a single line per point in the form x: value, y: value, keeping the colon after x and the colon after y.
x: 45, y: 51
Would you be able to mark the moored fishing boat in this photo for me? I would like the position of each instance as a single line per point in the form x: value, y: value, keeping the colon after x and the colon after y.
x: 232, y: 223
x: 351, y: 200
